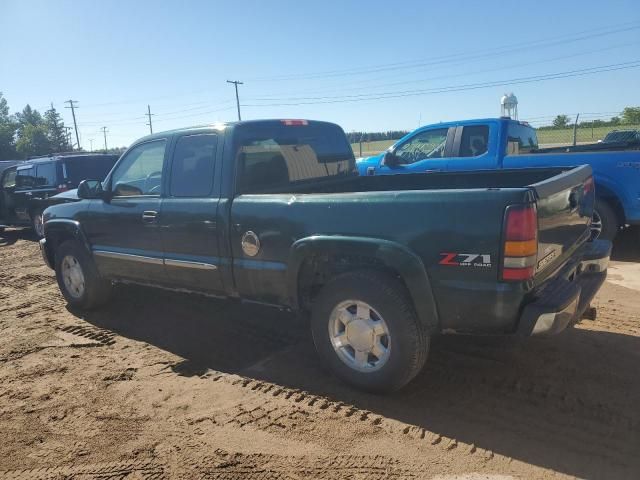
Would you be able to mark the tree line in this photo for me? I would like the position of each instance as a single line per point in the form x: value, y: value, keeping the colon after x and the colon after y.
x: 629, y: 116
x: 29, y: 133
x: 355, y: 137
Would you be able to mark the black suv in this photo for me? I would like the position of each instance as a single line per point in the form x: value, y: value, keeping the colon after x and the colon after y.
x: 27, y: 186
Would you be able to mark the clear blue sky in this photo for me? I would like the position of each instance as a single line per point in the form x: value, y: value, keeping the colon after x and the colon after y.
x: 329, y: 60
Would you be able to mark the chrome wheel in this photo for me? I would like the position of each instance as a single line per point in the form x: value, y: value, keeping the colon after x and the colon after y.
x: 38, y: 224
x: 72, y: 276
x: 359, y: 336
x: 596, y: 225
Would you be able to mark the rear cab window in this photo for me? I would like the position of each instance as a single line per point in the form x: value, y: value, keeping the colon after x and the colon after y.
x: 272, y: 157
x: 521, y: 139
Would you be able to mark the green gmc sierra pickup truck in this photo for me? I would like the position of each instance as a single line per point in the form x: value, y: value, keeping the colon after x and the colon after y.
x: 272, y: 211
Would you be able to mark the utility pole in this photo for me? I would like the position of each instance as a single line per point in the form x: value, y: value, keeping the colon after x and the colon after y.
x: 68, y: 135
x: 575, y: 130
x: 104, y: 131
x: 73, y: 113
x: 236, y: 83
x: 91, y: 143
x: 149, y: 115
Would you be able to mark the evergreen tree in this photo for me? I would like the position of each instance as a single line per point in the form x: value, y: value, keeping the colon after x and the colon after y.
x: 55, y: 131
x: 28, y: 116
x: 7, y: 132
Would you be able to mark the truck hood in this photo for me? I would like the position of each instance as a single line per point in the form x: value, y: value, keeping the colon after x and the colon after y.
x: 69, y: 195
x: 365, y: 162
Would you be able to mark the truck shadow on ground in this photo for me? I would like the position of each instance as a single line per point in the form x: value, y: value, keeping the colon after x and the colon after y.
x: 626, y: 247
x: 569, y: 403
x: 10, y: 236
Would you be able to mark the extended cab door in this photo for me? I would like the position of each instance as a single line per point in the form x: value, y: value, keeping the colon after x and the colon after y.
x: 426, y: 150
x: 188, y: 220
x: 475, y: 147
x: 123, y: 230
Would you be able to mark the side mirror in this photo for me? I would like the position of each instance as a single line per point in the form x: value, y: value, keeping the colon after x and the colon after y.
x: 90, y: 189
x: 390, y: 159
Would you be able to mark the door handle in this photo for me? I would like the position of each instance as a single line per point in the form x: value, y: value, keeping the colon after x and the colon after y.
x: 149, y: 216
x: 28, y: 194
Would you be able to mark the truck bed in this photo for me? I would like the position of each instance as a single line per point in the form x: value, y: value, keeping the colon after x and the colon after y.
x: 478, y: 179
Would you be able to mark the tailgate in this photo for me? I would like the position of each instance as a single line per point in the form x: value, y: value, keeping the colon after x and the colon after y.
x: 565, y: 206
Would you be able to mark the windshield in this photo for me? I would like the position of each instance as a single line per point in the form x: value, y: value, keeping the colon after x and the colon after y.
x: 274, y: 156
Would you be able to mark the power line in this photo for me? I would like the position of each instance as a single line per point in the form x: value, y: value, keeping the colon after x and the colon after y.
x: 296, y: 101
x: 359, y: 85
x: 479, y: 54
x: 73, y: 107
x: 235, y: 84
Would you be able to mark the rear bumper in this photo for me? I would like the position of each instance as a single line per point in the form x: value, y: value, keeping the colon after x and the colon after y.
x: 563, y: 300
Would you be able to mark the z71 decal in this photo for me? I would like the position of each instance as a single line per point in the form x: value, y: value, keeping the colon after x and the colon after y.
x: 466, y: 260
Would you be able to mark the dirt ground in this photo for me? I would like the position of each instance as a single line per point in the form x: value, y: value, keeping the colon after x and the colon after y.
x: 163, y: 385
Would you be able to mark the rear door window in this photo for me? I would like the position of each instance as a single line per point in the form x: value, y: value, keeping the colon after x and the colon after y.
x: 276, y: 156
x: 46, y: 174
x: 474, y: 141
x: 193, y: 164
x: 88, y: 168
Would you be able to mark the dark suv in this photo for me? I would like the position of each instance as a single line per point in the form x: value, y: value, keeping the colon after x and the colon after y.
x: 27, y: 186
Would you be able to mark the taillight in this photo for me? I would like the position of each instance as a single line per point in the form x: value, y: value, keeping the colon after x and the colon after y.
x: 588, y: 186
x: 520, y: 242
x: 291, y: 123
x: 62, y: 188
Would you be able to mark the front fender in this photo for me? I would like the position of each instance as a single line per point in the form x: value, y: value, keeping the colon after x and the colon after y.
x: 393, y: 255
x: 57, y: 230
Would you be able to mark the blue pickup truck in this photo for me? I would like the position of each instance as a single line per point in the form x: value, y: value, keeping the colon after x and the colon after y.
x: 497, y: 143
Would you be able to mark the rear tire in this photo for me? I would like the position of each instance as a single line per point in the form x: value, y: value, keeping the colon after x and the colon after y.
x: 78, y: 278
x: 604, y: 217
x: 366, y: 330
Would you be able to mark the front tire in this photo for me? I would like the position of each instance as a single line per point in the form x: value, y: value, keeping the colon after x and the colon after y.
x: 37, y: 223
x: 78, y: 278
x: 366, y: 330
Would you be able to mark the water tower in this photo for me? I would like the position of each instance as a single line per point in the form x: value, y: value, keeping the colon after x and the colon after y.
x: 509, y: 106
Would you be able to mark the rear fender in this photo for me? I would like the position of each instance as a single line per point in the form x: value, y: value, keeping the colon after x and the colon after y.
x: 392, y: 255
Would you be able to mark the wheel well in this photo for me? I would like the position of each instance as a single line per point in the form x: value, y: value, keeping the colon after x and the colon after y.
x: 317, y: 270
x: 56, y: 238
x: 615, y: 205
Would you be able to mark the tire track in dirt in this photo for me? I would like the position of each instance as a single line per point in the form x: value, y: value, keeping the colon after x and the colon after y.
x: 288, y: 409
x: 102, y: 471
x: 225, y: 465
